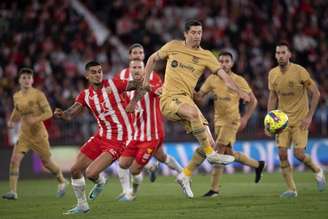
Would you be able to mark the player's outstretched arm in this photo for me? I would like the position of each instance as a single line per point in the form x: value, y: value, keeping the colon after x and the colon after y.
x: 250, y: 108
x: 70, y: 113
x: 232, y: 85
x: 150, y: 66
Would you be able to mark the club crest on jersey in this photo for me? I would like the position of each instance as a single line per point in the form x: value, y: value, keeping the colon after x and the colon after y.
x: 195, y: 59
x: 174, y: 63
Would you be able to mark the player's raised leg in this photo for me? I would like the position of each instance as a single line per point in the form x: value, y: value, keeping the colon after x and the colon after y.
x: 192, y: 115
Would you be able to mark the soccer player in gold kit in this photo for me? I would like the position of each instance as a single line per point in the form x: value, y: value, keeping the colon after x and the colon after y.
x: 186, y: 62
x: 31, y: 108
x: 290, y: 86
x: 227, y: 120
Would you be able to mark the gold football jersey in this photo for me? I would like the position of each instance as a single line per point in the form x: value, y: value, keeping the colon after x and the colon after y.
x: 226, y: 103
x: 33, y: 102
x: 184, y: 67
x: 291, y: 88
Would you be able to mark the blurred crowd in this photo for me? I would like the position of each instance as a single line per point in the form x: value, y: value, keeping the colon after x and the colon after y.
x: 56, y: 41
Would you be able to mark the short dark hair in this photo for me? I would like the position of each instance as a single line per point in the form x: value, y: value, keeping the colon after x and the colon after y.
x: 135, y: 45
x: 226, y: 53
x: 25, y: 70
x: 190, y: 23
x: 91, y: 64
x: 283, y: 43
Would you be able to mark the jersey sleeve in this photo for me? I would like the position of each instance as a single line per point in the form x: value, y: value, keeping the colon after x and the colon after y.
x: 244, y: 86
x: 305, y: 78
x: 121, y: 85
x: 164, y: 51
x: 43, y: 102
x: 207, y: 87
x: 44, y: 105
x: 212, y: 63
x: 81, y: 98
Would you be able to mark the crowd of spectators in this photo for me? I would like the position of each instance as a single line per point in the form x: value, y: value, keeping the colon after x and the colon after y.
x: 52, y: 38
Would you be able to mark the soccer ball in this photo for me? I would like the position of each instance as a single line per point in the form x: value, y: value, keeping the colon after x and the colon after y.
x: 275, y: 121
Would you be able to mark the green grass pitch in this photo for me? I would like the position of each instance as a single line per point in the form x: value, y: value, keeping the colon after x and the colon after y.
x: 240, y: 198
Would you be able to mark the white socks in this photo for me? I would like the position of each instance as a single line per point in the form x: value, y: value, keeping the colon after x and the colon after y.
x: 79, y: 191
x: 136, y: 182
x: 101, y: 179
x: 124, y: 177
x: 173, y: 164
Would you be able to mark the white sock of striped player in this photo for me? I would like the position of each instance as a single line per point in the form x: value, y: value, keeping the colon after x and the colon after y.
x: 173, y: 164
x: 79, y: 191
x: 149, y: 166
x: 125, y: 180
x: 101, y: 179
x: 136, y: 182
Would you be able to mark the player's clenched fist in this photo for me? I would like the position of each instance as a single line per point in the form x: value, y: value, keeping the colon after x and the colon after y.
x: 59, y: 113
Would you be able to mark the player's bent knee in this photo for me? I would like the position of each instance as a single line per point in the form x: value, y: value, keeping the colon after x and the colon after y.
x: 125, y: 162
x: 15, y: 160
x: 124, y: 165
x: 91, y: 174
x: 161, y: 157
x: 75, y: 171
x: 299, y: 155
x: 135, y: 170
x: 283, y: 155
x: 46, y: 163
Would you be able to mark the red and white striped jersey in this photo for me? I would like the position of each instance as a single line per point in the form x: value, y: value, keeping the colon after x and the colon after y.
x: 148, y: 121
x: 108, y: 108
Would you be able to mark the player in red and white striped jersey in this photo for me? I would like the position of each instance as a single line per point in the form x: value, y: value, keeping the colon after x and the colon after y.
x: 148, y: 123
x: 103, y: 99
x: 149, y: 132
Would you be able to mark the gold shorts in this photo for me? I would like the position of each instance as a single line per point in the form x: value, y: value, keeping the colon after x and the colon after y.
x: 170, y: 105
x: 226, y: 135
x: 293, y: 135
x: 41, y: 146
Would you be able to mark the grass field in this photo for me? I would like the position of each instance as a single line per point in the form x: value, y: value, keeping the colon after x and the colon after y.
x: 240, y: 198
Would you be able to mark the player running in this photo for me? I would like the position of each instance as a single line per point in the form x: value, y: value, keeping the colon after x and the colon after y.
x: 103, y: 99
x: 31, y: 108
x: 227, y: 120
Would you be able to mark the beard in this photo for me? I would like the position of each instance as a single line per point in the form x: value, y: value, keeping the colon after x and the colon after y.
x: 282, y: 63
